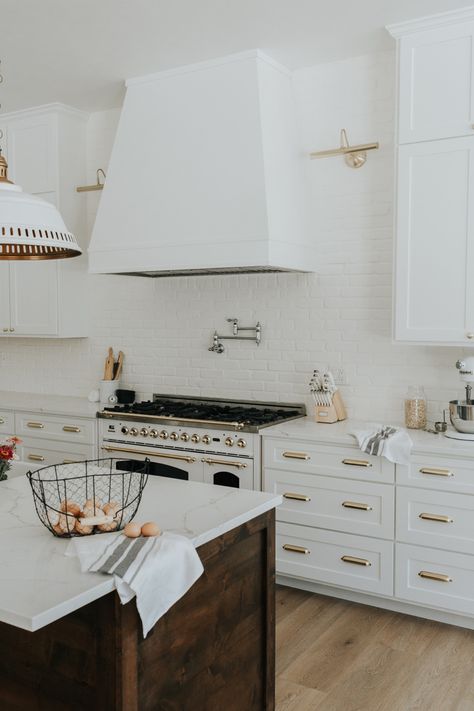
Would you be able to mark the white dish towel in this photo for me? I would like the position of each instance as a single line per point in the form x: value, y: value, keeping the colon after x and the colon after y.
x: 384, y: 441
x: 157, y: 570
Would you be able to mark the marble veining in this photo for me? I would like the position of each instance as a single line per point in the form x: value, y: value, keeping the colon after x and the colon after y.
x: 39, y: 584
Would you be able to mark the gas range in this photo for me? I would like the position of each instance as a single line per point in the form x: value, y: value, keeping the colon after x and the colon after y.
x: 205, y: 412
x: 198, y: 439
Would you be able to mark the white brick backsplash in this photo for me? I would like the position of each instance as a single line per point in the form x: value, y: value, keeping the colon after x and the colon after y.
x: 339, y: 316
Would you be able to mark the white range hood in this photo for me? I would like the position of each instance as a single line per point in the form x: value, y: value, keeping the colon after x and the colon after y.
x: 206, y: 175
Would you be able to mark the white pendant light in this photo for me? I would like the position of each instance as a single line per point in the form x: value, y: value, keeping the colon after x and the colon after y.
x: 31, y: 228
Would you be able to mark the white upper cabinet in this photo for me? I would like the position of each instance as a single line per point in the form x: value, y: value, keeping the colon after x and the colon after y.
x: 45, y: 149
x: 436, y: 77
x: 434, y: 299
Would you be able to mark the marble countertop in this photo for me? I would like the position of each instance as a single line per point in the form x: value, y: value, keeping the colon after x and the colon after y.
x: 306, y: 428
x: 48, y: 404
x: 39, y: 584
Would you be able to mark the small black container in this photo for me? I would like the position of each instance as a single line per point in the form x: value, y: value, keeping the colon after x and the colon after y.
x: 125, y: 397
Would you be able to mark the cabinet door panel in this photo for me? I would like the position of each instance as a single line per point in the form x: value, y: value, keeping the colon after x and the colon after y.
x: 4, y: 298
x: 434, y: 238
x: 34, y: 298
x: 436, y: 73
x: 32, y: 154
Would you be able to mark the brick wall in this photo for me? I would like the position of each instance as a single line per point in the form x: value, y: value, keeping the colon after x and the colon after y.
x: 339, y: 316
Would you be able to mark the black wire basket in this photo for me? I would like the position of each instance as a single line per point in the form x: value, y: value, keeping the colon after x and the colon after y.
x: 84, y: 498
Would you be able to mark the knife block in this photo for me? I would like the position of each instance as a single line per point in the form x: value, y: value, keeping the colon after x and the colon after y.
x: 331, y: 413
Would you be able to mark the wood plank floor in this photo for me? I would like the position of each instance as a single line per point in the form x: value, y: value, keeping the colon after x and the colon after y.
x: 334, y: 655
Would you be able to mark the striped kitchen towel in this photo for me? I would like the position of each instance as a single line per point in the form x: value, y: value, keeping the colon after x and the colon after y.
x: 384, y: 441
x: 157, y: 570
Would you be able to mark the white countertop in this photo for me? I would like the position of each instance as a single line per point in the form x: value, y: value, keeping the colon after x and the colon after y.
x: 306, y: 428
x: 39, y: 584
x: 48, y: 404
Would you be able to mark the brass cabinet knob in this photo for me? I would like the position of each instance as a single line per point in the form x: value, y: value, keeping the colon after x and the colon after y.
x: 470, y: 335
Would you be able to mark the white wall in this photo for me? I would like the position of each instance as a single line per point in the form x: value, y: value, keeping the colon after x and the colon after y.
x: 340, y: 316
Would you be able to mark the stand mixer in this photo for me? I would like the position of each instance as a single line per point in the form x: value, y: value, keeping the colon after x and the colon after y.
x: 461, y: 412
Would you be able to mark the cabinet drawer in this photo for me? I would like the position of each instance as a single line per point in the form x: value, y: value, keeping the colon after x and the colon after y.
x: 346, y: 462
x: 447, y: 579
x: 357, y: 507
x: 438, y: 472
x: 39, y: 453
x: 436, y: 519
x: 7, y: 423
x: 67, y: 429
x: 336, y: 558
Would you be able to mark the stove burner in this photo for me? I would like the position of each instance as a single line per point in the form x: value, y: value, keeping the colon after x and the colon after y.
x: 182, y: 409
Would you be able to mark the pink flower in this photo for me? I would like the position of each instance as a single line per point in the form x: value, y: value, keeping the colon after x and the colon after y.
x: 15, y: 440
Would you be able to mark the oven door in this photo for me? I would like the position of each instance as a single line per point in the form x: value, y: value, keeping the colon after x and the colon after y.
x: 228, y: 471
x: 173, y: 465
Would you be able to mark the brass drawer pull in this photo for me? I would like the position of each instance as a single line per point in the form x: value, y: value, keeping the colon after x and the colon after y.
x: 145, y: 453
x: 69, y: 461
x: 435, y: 576
x: 356, y: 505
x: 36, y: 457
x: 2, y: 421
x: 296, y: 455
x: 357, y: 462
x: 435, y: 517
x: 296, y: 497
x: 436, y: 472
x: 356, y: 561
x: 295, y: 549
x: 223, y: 463
x: 69, y: 428
x: 35, y: 425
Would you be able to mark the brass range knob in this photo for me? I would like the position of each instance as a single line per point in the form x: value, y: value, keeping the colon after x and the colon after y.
x: 206, y: 439
x: 125, y: 430
x: 241, y: 443
x: 164, y: 434
x: 133, y: 431
x: 195, y: 439
x: 229, y: 442
x: 174, y: 436
x: 154, y: 433
x: 144, y: 432
x: 185, y: 437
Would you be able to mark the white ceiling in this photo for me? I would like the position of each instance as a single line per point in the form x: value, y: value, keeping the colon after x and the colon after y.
x: 79, y: 51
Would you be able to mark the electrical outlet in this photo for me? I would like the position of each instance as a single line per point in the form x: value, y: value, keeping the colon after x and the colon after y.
x: 340, y: 377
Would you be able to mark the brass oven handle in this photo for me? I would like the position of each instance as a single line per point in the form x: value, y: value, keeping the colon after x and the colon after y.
x: 356, y: 505
x: 296, y: 497
x: 355, y: 561
x: 357, y: 462
x: 435, y: 517
x: 35, y: 425
x: 295, y: 549
x: 162, y: 455
x: 436, y: 472
x: 435, y: 576
x: 36, y: 457
x: 296, y: 455
x: 69, y: 428
x: 238, y: 465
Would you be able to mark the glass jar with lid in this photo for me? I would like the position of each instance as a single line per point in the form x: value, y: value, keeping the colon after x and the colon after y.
x: 415, y: 408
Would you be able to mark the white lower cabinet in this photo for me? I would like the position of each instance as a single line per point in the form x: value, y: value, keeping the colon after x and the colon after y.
x: 340, y: 559
x: 435, y: 578
x: 43, y: 452
x: 337, y: 526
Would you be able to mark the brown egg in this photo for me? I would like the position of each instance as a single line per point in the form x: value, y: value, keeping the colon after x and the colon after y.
x: 71, y: 506
x: 92, y: 504
x: 58, y: 530
x: 111, y: 505
x: 67, y: 523
x: 132, y: 530
x: 83, y: 530
x: 90, y: 512
x: 150, y: 529
x: 110, y: 509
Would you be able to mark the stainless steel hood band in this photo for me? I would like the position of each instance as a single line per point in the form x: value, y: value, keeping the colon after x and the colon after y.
x: 167, y: 418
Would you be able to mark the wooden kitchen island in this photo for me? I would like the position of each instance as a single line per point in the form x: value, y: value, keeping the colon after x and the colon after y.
x: 66, y: 642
